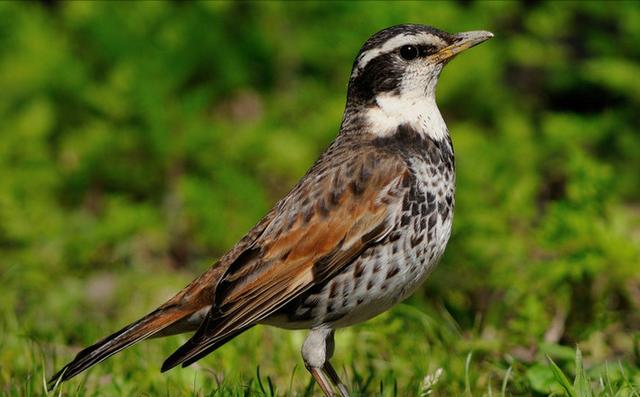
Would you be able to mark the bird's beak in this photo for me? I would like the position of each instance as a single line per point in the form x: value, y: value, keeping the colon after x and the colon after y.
x: 463, y: 41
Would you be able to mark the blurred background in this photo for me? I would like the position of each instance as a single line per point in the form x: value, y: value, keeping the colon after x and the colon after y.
x: 139, y: 141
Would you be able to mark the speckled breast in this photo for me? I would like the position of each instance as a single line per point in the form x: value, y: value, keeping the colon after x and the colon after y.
x: 390, y: 271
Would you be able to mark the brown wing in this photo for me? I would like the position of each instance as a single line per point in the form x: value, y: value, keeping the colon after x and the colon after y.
x: 344, y: 204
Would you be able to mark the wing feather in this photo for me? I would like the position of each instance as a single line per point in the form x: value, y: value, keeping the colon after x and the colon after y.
x: 318, y: 229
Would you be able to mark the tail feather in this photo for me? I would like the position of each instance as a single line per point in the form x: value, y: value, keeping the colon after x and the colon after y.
x: 195, y: 348
x: 182, y: 313
x: 153, y: 323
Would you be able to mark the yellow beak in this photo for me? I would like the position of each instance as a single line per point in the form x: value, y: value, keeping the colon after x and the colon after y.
x: 463, y: 41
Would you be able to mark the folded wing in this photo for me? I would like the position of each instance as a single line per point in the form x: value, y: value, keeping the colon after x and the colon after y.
x: 330, y: 217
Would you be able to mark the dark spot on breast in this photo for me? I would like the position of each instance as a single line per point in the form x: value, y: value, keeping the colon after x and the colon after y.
x: 376, y: 267
x: 443, y: 209
x: 432, y: 221
x: 416, y: 240
x: 392, y: 272
x: 406, y: 203
x: 430, y: 197
x: 404, y: 220
x: 356, y: 282
x: 359, y: 269
x: 438, y: 154
x: 369, y: 285
x: 433, y: 153
x: 333, y: 290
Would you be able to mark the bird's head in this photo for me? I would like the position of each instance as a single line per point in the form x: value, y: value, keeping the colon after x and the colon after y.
x: 406, y: 60
x: 398, y: 69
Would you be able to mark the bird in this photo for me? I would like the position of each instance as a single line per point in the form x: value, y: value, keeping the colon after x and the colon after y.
x: 361, y: 230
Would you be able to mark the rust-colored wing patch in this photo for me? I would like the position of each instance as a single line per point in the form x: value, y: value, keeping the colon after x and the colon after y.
x: 318, y: 229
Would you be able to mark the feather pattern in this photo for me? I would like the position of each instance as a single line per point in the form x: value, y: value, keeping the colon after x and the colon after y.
x: 348, y: 208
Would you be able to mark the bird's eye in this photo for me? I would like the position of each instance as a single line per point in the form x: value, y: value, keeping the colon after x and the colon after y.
x: 408, y: 52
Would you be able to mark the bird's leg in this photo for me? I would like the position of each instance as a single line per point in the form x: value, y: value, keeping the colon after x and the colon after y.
x: 328, y: 368
x: 316, y: 352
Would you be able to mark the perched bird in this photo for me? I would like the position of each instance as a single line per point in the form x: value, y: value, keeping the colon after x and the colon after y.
x: 359, y: 233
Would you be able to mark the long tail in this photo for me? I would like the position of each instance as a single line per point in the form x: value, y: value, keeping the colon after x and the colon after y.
x: 182, y: 313
x: 156, y: 321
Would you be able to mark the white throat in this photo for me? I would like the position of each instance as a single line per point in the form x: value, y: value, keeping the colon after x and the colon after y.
x: 418, y: 111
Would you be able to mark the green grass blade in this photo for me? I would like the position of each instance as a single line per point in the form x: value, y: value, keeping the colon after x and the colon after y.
x: 467, y: 382
x: 581, y: 383
x: 505, y: 381
x: 562, y: 378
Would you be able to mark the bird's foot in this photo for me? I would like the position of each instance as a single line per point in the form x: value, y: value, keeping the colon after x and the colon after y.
x: 320, y: 377
x: 333, y: 375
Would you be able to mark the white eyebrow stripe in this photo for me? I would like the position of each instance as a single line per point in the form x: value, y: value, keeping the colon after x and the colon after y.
x: 395, y: 42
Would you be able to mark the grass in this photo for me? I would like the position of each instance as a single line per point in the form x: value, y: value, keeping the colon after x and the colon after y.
x: 416, y: 349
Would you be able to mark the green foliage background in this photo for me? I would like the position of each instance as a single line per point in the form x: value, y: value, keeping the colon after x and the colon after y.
x: 139, y: 141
